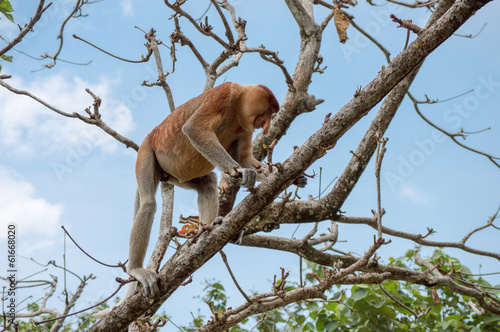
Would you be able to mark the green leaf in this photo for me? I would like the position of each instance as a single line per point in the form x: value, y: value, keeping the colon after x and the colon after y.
x: 6, y: 9
x: 491, y: 318
x: 7, y: 58
x: 359, y: 293
x: 301, y: 319
x: 331, y: 326
x: 218, y: 286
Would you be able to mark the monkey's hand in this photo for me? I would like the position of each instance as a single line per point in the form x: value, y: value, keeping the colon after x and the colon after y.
x: 300, y: 182
x: 248, y: 176
x: 147, y: 278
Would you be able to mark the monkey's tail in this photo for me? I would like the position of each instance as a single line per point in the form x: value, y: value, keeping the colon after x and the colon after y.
x: 130, y: 290
x: 133, y: 285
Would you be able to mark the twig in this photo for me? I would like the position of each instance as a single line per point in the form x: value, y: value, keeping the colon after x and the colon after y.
x: 53, y: 263
x: 167, y: 232
x: 473, y: 36
x: 60, y: 36
x: 153, y: 46
x: 417, y: 4
x: 144, y: 58
x: 407, y: 24
x: 398, y: 301
x: 90, y: 120
x: 270, y: 150
x: 273, y: 58
x: 202, y: 29
x: 229, y: 34
x: 120, y: 265
x: 178, y: 36
x: 83, y: 310
x: 492, y: 158
x: 224, y: 259
x: 378, y: 165
x: 417, y: 238
x: 488, y: 224
x: 27, y: 28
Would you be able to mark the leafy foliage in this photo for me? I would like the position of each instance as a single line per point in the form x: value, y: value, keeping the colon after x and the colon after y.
x: 368, y: 308
x: 6, y: 10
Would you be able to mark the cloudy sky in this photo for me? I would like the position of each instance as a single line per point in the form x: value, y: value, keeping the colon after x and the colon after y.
x: 58, y: 171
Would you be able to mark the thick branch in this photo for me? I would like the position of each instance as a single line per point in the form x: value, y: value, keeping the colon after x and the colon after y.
x: 302, y: 16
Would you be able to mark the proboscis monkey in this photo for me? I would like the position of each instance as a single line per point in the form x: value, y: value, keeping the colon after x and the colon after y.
x: 211, y: 130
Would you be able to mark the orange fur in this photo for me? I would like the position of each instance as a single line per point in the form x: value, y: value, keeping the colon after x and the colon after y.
x: 226, y: 113
x: 211, y: 130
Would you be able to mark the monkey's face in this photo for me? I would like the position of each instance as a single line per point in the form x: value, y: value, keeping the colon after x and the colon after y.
x: 259, y: 104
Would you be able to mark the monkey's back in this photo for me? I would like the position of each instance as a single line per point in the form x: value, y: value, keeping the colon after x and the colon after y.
x: 174, y: 152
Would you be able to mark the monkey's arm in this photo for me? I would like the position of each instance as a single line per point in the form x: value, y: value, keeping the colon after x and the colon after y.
x: 243, y: 153
x: 200, y: 130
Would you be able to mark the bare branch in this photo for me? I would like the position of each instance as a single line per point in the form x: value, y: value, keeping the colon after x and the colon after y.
x: 229, y: 33
x: 387, y: 54
x: 488, y: 224
x: 120, y: 265
x: 60, y: 36
x: 224, y: 259
x: 417, y: 238
x: 417, y: 4
x: 407, y: 24
x: 144, y: 58
x: 398, y: 301
x: 27, y: 28
x: 272, y: 57
x: 378, y: 166
x: 176, y: 7
x: 153, y: 46
x: 495, y: 160
x: 93, y: 119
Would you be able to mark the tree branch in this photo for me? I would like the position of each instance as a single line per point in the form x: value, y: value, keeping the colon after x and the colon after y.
x: 93, y: 118
x: 27, y: 28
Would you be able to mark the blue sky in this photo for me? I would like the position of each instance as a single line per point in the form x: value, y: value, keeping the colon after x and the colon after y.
x: 57, y: 171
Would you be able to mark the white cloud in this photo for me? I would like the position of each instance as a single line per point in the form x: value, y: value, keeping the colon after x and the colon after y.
x: 415, y: 195
x: 29, y: 129
x: 127, y: 8
x: 33, y: 216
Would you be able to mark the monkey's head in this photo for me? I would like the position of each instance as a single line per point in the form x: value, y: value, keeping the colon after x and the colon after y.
x: 259, y: 104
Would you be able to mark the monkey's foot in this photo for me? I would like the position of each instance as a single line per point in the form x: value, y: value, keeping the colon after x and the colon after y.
x: 217, y: 221
x: 148, y: 280
x: 301, y: 181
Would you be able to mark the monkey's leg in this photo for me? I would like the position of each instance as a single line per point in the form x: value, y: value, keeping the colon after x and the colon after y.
x: 208, y: 198
x: 208, y: 195
x: 147, y: 182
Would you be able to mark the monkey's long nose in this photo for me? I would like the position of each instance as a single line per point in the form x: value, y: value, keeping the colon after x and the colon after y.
x: 265, y: 127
